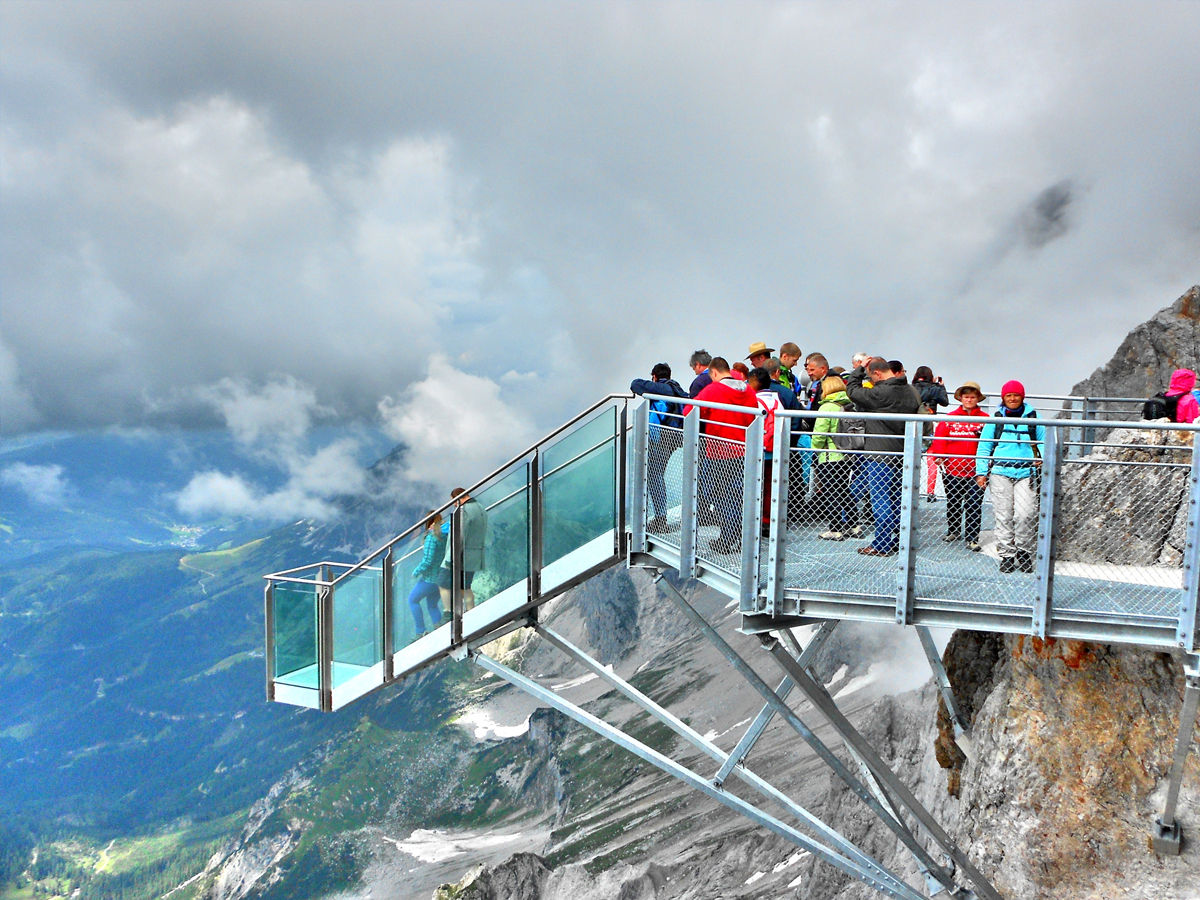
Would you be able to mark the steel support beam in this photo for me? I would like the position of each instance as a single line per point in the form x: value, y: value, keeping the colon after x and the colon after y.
x: 640, y: 450
x: 776, y: 543
x: 752, y: 484
x: 788, y: 715
x: 1185, y: 632
x: 693, y: 780
x: 767, y: 713
x: 706, y: 746
x: 892, y: 784
x: 961, y: 725
x: 910, y: 497
x: 1047, y: 538
x: 689, y: 502
x: 1166, y: 836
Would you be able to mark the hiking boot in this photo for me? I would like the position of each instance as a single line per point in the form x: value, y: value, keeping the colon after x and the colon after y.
x: 871, y: 551
x: 931, y: 498
x: 974, y: 546
x: 855, y: 532
x: 831, y: 536
x: 1025, y: 562
x: 950, y: 537
x: 657, y: 525
x: 1007, y: 565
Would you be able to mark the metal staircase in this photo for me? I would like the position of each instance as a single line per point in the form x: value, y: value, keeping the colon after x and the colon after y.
x: 617, y: 485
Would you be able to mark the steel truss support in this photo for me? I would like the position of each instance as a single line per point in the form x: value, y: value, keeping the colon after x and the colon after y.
x: 1166, y: 836
x: 890, y: 783
x: 870, y: 873
x: 706, y: 746
x: 961, y: 725
x: 936, y: 869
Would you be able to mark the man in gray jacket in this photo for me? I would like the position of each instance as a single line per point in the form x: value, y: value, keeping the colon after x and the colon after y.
x: 474, y: 536
x: 886, y: 392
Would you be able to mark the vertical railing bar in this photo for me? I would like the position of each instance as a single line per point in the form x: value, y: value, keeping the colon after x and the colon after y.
x: 269, y: 618
x: 777, y: 543
x: 1047, y: 538
x: 689, y: 502
x: 621, y: 448
x: 1185, y: 630
x: 640, y: 473
x: 389, y: 614
x: 752, y: 477
x: 534, y: 506
x: 325, y: 643
x: 456, y: 568
x: 906, y: 561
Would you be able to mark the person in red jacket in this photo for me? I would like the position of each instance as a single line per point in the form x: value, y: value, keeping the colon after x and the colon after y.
x: 723, y: 435
x: 953, y: 451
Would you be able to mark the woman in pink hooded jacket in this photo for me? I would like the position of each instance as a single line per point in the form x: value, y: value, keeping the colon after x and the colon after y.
x: 1186, y: 408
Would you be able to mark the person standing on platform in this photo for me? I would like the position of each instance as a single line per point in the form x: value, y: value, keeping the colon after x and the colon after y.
x: 473, y: 523
x: 699, y: 365
x: 953, y: 451
x: 666, y: 435
x: 1009, y: 456
x: 889, y: 393
x: 425, y: 590
x: 789, y: 355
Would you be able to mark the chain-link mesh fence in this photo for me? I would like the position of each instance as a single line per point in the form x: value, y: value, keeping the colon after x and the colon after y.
x: 664, y: 484
x: 720, y: 485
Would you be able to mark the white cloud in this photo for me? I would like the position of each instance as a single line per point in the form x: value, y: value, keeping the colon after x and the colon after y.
x: 273, y: 422
x: 456, y: 426
x: 45, y: 485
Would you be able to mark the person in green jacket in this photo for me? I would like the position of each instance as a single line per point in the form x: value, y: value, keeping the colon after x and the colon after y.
x: 833, y: 467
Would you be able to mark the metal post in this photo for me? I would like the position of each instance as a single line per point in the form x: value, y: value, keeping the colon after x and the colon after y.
x: 534, y: 472
x: 389, y: 614
x: 1089, y: 433
x: 1047, y: 531
x: 752, y: 478
x: 1166, y: 837
x: 640, y: 445
x: 325, y: 643
x: 797, y: 724
x: 767, y: 713
x: 456, y: 562
x: 1185, y: 631
x: 906, y: 561
x: 688, y: 502
x: 776, y: 546
x: 961, y: 725
x: 893, y: 785
x: 892, y: 887
x: 621, y: 448
x: 269, y: 621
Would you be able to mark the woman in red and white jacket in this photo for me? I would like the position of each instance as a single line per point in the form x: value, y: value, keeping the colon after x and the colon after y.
x: 953, y: 451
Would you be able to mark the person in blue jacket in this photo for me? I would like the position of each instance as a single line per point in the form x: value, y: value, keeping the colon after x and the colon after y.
x: 426, y: 573
x: 1008, y: 457
x: 666, y: 435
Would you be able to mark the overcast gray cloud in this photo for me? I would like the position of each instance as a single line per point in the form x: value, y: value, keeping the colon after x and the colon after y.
x: 338, y: 194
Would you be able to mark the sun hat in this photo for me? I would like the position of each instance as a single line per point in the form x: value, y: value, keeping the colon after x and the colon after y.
x: 970, y: 386
x: 759, y: 347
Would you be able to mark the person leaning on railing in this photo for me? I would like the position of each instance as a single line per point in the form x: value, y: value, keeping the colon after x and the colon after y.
x: 953, y: 451
x: 1008, y: 457
x: 665, y: 426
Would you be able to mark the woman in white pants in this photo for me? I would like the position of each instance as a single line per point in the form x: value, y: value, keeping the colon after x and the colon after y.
x: 1010, y: 453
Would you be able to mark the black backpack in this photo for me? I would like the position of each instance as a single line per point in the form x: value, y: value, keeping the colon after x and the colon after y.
x: 849, y: 434
x: 1160, y: 406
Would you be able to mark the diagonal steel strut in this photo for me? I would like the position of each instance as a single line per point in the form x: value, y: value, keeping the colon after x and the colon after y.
x: 887, y: 777
x: 700, y: 742
x: 692, y: 779
x: 827, y: 756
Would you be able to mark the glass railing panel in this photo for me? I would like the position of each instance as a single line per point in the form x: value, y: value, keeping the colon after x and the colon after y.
x: 580, y: 439
x: 417, y: 573
x: 579, y: 512
x: 500, y: 566
x: 358, y: 624
x: 294, y: 634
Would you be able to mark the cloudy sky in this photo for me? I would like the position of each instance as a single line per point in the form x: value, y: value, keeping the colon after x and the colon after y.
x: 380, y: 210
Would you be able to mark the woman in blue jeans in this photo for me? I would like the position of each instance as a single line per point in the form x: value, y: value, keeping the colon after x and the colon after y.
x: 426, y: 589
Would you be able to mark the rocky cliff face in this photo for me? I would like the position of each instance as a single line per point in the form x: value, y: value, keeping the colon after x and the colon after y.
x: 1144, y: 361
